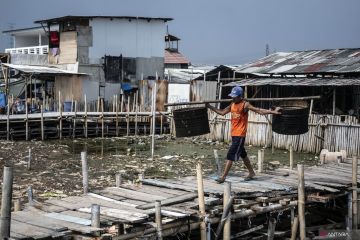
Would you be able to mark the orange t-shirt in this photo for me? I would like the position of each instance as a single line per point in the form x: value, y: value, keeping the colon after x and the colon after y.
x: 239, y: 119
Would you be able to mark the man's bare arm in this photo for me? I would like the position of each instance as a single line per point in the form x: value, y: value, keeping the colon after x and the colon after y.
x: 261, y: 110
x: 222, y: 112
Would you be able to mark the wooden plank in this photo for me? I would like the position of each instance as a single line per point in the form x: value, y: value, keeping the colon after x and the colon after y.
x: 170, y: 201
x: 68, y: 218
x: 103, y: 219
x: 38, y: 220
x: 132, y: 217
x: 30, y: 230
x: 131, y: 194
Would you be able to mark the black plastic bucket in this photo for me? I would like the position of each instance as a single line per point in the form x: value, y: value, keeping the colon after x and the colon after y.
x: 293, y: 120
x: 191, y: 122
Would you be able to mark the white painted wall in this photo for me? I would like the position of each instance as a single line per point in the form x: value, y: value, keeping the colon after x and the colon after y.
x: 135, y: 38
x: 178, y: 93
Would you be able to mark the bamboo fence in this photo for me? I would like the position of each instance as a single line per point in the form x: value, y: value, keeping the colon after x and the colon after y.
x: 335, y: 133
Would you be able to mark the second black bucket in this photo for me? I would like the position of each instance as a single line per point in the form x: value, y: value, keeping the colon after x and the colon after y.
x: 191, y: 122
x: 293, y: 120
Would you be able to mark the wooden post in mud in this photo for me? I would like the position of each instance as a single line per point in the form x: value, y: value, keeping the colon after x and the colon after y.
x: 98, y: 104
x: 6, y: 197
x: 349, y: 221
x: 117, y: 116
x: 200, y: 188
x: 217, y: 161
x: 26, y: 120
x: 301, y: 201
x: 95, y: 215
x: 8, y: 121
x: 354, y: 193
x: 294, y: 228
x: 260, y: 161
x: 84, y: 172
x: 60, y: 116
x: 86, y: 118
x: 291, y: 157
x: 17, y: 205
x: 29, y: 160
x: 74, y: 123
x: 311, y: 105
x: 226, y: 198
x: 42, y: 123
x: 271, y: 229
x: 30, y: 194
x: 122, y: 103
x: 102, y: 118
x: 158, y: 219
x: 136, y: 120
x: 153, y: 120
x: 118, y: 179
x: 224, y: 217
x: 128, y: 118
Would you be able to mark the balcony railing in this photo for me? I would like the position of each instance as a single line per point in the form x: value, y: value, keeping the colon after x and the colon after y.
x: 29, y: 50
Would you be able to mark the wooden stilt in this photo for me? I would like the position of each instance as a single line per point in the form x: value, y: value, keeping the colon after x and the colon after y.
x: 74, y: 120
x: 29, y: 158
x: 226, y: 198
x: 95, y: 215
x: 217, y: 162
x: 102, y: 118
x: 291, y: 157
x: 30, y: 194
x: 260, y: 161
x: 354, y: 195
x: 271, y: 229
x: 117, y: 116
x: 334, y: 102
x: 128, y: 118
x: 158, y: 219
x: 8, y: 122
x: 201, y: 199
x: 349, y: 221
x: 42, y: 123
x: 118, y: 180
x: 26, y: 120
x: 294, y: 228
x: 60, y: 116
x: 17, y: 205
x: 86, y: 118
x: 84, y: 172
x: 6, y: 197
x: 301, y: 201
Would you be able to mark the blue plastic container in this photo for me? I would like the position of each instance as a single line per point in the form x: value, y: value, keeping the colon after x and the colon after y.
x: 2, y: 100
x: 67, y: 106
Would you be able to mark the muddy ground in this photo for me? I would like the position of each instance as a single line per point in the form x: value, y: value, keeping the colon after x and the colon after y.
x: 56, y: 165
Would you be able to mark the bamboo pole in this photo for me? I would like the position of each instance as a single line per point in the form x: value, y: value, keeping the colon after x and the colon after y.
x: 247, y: 99
x: 301, y: 201
x: 334, y: 102
x: 294, y: 228
x: 27, y: 116
x: 128, y: 117
x: 158, y: 219
x: 85, y: 172
x: 225, y: 217
x: 29, y: 158
x: 30, y: 194
x: 354, y: 195
x: 95, y: 215
x: 6, y: 197
x: 291, y: 157
x: 200, y: 188
x: 136, y: 113
x: 217, y: 161
x: 226, y: 199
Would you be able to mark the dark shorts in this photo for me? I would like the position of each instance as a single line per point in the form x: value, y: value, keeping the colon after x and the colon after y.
x: 237, y: 149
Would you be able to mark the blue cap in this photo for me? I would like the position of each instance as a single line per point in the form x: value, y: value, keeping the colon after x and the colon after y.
x: 236, y: 92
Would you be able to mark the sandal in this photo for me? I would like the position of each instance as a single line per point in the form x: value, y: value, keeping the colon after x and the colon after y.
x: 220, y: 180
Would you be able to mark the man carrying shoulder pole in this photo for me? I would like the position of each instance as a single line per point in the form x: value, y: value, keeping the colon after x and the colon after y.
x: 239, y: 120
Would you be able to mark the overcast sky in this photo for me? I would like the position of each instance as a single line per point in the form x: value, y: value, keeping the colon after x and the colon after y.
x: 218, y: 31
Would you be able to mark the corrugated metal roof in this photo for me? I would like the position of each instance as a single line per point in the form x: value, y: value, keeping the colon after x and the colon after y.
x: 41, y: 70
x: 296, y: 82
x: 71, y: 18
x: 174, y: 58
x: 182, y: 75
x: 334, y: 61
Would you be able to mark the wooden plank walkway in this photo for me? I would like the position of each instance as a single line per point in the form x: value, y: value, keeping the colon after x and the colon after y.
x: 133, y: 205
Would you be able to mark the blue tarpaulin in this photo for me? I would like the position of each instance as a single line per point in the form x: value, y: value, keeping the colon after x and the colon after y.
x: 2, y: 100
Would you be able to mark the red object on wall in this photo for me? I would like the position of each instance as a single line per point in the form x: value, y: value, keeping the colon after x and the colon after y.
x: 54, y: 38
